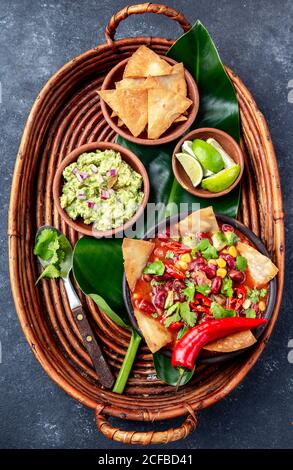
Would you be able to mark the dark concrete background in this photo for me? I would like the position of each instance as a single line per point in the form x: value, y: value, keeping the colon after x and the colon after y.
x: 254, y: 37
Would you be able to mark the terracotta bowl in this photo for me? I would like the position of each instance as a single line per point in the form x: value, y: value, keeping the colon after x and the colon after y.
x: 228, y: 144
x: 174, y: 131
x: 208, y: 357
x: 129, y: 158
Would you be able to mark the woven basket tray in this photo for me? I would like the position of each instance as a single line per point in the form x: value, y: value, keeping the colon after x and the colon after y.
x: 65, y: 115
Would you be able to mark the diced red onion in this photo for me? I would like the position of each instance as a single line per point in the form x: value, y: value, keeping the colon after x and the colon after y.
x: 105, y: 194
x: 112, y: 172
x: 81, y: 195
x: 83, y: 175
x: 90, y: 204
x: 94, y: 168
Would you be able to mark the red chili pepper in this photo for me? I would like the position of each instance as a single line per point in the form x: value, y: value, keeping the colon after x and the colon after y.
x: 172, y: 271
x: 199, y: 308
x: 177, y: 247
x: 236, y: 302
x: 202, y: 299
x: 188, y: 347
x: 145, y: 306
x: 176, y: 325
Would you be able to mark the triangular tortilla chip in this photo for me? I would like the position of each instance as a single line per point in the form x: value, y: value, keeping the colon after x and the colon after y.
x: 231, y: 343
x: 178, y: 68
x: 130, y: 105
x: 181, y: 118
x: 173, y: 82
x: 261, y: 268
x: 164, y: 107
x: 136, y: 254
x: 131, y: 83
x: 154, y: 333
x: 203, y: 220
x: 145, y: 62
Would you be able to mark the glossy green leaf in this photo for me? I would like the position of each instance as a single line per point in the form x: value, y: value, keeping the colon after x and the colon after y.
x: 169, y: 374
x: 98, y: 269
x: 218, y: 102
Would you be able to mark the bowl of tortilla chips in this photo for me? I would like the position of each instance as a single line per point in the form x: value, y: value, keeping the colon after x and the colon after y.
x: 149, y: 99
x: 260, y: 273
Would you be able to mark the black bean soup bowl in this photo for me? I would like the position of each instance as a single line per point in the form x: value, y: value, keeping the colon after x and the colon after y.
x: 208, y: 357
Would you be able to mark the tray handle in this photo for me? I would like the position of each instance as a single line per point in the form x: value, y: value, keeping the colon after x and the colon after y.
x: 140, y: 9
x: 146, y: 438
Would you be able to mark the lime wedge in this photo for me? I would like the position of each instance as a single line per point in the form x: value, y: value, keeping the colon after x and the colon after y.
x: 207, y: 155
x: 228, y: 161
x: 221, y: 180
x: 187, y: 148
x: 192, y: 167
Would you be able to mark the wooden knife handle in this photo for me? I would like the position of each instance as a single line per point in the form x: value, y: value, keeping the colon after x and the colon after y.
x: 105, y: 376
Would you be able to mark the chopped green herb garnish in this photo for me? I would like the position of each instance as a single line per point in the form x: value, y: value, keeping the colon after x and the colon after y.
x: 250, y: 313
x: 241, y: 263
x: 227, y: 287
x: 203, y: 289
x: 186, y: 314
x: 172, y: 309
x: 155, y: 315
x: 157, y: 268
x: 172, y: 319
x: 231, y: 238
x: 189, y: 291
x: 219, y: 240
x: 220, y: 312
x: 170, y: 254
x: 207, y: 250
x: 253, y: 295
x: 263, y: 293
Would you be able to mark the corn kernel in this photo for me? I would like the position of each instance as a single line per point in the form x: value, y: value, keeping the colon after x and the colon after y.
x: 213, y: 261
x: 186, y: 258
x: 232, y: 251
x: 135, y: 296
x: 181, y: 265
x: 222, y: 272
x: 262, y: 306
x: 221, y: 262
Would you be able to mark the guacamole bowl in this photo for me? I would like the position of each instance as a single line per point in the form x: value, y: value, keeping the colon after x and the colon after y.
x: 79, y: 191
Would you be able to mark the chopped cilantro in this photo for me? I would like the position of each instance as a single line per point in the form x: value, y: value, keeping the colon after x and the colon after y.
x: 241, y: 263
x: 250, y: 313
x: 263, y: 293
x: 172, y: 309
x: 207, y: 250
x: 253, y: 295
x: 44, y: 247
x: 172, y: 319
x: 203, y: 289
x: 220, y: 312
x: 187, y: 316
x: 155, y: 315
x: 227, y: 287
x: 170, y: 254
x: 231, y: 238
x: 157, y: 268
x: 189, y: 291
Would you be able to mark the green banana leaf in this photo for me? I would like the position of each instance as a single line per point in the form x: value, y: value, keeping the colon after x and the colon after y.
x: 98, y: 269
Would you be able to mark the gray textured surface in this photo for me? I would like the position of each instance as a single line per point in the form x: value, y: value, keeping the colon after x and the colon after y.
x: 37, y: 37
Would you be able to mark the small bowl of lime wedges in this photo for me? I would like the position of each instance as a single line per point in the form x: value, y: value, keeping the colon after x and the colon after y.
x: 208, y: 162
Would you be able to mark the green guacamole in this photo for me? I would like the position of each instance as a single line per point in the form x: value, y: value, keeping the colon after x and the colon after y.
x: 101, y: 189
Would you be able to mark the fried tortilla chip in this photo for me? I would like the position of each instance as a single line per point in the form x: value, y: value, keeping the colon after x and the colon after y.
x: 136, y: 254
x: 130, y: 105
x: 164, y: 107
x: 178, y: 68
x: 181, y: 118
x: 145, y: 62
x: 131, y: 83
x: 231, y: 343
x: 155, y: 334
x: 203, y: 220
x: 261, y: 268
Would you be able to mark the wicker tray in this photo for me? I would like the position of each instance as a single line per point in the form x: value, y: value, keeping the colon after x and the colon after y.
x: 67, y: 114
